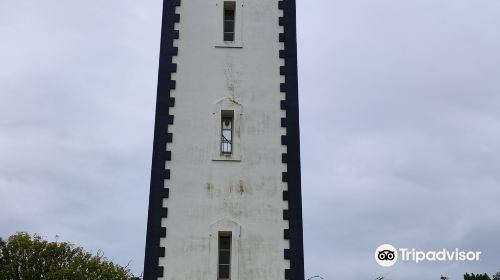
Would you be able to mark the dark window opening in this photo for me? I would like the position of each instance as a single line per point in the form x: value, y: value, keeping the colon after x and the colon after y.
x: 229, y: 18
x: 224, y: 269
x: 227, y: 132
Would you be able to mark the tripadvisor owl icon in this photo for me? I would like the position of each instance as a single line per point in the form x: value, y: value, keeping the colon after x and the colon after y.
x: 386, y: 255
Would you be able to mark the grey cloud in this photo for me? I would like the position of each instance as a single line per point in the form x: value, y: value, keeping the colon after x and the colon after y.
x: 400, y: 133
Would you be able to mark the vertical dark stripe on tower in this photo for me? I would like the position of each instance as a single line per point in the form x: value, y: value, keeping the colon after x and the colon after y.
x: 159, y: 173
x: 292, y: 140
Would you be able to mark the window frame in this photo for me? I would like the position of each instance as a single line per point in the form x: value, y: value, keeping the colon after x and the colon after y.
x: 224, y: 234
x: 219, y: 11
x: 227, y: 145
x: 229, y: 6
x: 224, y: 107
x: 224, y: 225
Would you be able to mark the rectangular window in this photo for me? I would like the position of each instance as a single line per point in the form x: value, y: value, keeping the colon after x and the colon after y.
x: 229, y: 14
x: 224, y: 269
x: 226, y: 144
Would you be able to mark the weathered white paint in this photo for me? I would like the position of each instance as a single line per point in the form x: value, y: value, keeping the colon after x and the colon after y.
x: 204, y: 188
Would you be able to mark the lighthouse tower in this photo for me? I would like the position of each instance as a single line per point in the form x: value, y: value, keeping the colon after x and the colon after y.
x: 225, y: 193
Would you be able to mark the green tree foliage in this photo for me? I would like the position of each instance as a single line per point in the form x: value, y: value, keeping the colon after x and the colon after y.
x: 25, y: 257
x: 473, y: 276
x: 496, y: 276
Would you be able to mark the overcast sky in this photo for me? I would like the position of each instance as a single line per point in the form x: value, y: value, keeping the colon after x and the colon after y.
x: 400, y: 125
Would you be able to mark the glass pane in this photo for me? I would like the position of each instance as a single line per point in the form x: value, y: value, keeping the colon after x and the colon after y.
x: 228, y: 14
x: 227, y: 123
x: 226, y: 148
x: 228, y: 36
x: 225, y: 242
x: 224, y: 257
x: 229, y: 26
x: 223, y: 271
x: 227, y: 134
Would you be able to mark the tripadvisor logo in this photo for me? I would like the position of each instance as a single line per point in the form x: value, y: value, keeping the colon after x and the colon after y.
x: 387, y: 255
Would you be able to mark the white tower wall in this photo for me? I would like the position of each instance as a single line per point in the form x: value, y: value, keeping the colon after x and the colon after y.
x: 208, y: 192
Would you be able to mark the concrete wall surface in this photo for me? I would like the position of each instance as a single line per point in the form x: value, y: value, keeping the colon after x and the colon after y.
x: 241, y: 193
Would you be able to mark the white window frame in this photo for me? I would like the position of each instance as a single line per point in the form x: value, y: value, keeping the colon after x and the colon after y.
x: 238, y: 25
x: 224, y: 225
x: 228, y: 148
x: 227, y: 234
x: 226, y: 104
